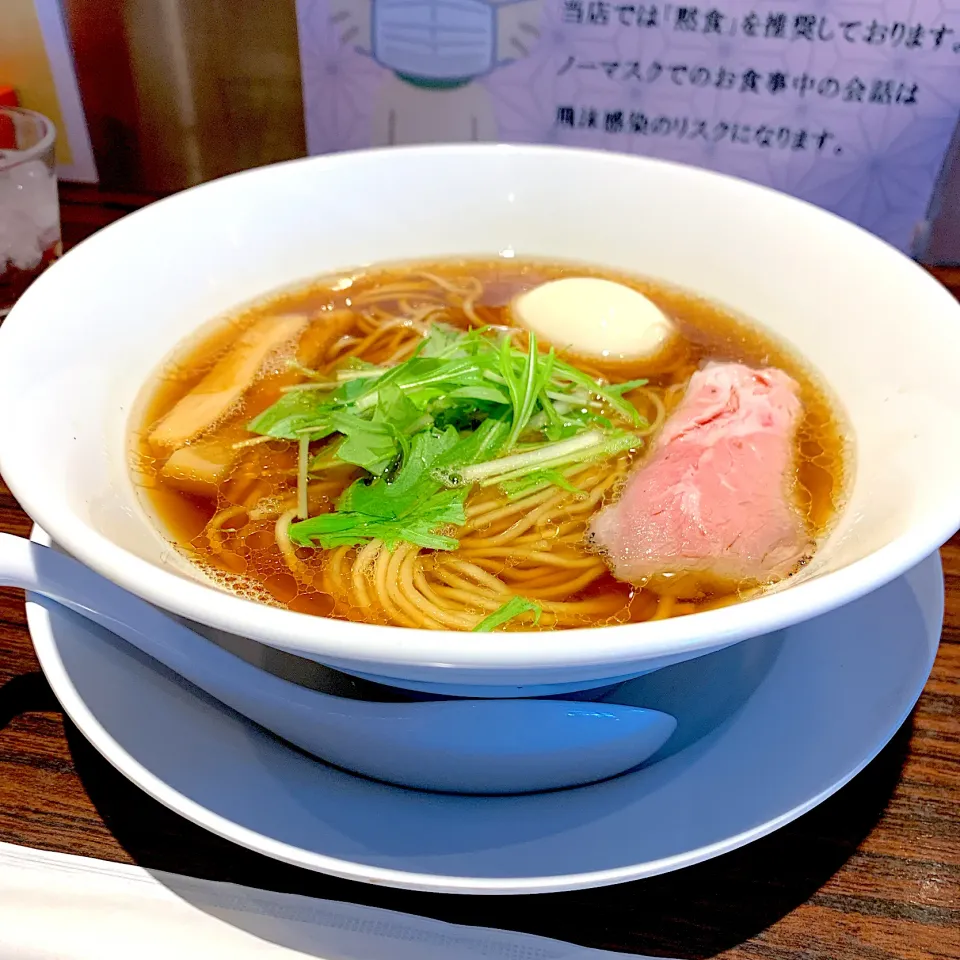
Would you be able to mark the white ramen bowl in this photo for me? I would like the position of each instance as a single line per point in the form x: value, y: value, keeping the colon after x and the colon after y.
x: 83, y: 341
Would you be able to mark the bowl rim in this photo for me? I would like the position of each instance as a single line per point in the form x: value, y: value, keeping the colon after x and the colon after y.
x: 380, y: 645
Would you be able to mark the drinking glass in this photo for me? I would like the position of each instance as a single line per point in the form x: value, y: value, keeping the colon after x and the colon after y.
x: 29, y: 208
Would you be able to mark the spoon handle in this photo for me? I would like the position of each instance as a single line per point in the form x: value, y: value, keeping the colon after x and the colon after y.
x: 478, y: 746
x: 273, y: 702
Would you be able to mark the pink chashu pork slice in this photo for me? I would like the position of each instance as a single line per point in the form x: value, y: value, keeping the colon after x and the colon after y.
x: 714, y: 501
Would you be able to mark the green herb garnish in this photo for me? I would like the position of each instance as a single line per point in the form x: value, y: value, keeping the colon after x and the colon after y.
x: 514, y: 607
x: 469, y: 407
x: 411, y: 507
x: 540, y: 480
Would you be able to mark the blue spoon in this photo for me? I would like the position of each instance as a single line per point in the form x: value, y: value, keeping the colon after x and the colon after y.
x: 454, y: 746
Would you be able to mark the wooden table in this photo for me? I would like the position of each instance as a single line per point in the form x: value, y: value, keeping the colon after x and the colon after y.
x: 873, y: 873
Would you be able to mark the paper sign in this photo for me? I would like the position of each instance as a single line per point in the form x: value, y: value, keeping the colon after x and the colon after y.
x: 848, y: 105
x: 36, y: 60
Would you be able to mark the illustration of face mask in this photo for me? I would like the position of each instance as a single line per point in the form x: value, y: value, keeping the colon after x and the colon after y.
x: 435, y: 39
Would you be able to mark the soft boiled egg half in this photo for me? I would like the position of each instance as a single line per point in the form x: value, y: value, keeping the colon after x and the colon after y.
x: 597, y: 318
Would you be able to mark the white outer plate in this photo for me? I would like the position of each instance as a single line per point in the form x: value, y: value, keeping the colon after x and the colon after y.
x: 769, y: 728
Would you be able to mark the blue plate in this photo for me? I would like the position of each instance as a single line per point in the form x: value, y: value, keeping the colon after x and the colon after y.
x: 768, y: 729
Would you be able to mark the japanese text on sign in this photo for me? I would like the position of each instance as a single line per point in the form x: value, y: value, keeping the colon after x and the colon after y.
x: 850, y: 105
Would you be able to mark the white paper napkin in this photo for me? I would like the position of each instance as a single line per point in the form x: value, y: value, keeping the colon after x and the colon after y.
x: 58, y: 907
